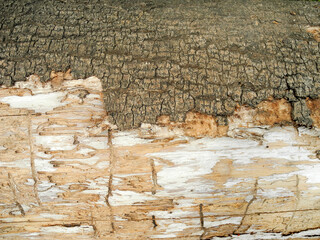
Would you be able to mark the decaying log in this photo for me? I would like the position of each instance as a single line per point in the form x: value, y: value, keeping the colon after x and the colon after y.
x: 193, y: 120
x: 67, y: 173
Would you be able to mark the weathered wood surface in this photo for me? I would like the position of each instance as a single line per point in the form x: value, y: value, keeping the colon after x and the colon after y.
x: 65, y: 173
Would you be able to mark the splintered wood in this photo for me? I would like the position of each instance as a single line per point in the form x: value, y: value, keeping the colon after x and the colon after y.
x: 67, y: 174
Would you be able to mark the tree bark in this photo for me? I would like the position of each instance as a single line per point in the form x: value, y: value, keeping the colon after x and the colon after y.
x: 169, y: 57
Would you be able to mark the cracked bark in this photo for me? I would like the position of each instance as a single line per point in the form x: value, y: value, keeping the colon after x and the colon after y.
x: 158, y: 58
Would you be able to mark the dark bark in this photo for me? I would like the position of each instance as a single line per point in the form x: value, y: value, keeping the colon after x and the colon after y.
x: 169, y: 57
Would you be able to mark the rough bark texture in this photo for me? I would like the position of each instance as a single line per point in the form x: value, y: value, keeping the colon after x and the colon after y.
x: 169, y: 57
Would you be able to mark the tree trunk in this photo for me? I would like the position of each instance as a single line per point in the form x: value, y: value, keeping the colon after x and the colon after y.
x: 170, y: 57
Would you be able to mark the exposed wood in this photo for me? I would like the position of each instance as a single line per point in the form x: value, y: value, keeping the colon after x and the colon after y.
x: 66, y: 173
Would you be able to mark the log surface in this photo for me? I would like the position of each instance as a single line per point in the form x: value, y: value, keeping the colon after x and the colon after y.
x: 66, y: 173
x: 159, y: 57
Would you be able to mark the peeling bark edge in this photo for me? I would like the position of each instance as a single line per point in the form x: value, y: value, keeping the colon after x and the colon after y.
x: 270, y: 112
